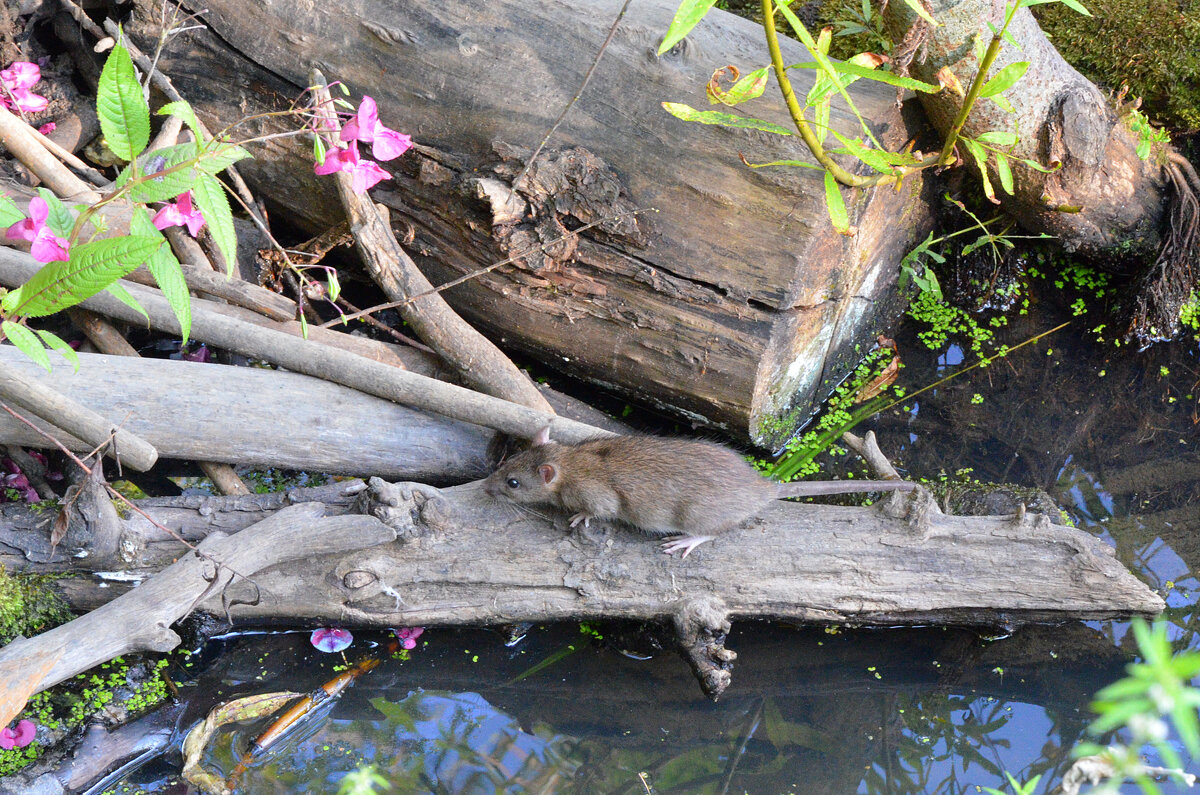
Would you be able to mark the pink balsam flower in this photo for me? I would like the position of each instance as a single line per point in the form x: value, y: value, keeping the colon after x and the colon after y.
x: 18, y: 737
x: 385, y: 142
x: 18, y: 78
x: 331, y: 639
x: 45, y: 245
x: 408, y: 636
x: 363, y: 173
x: 180, y: 213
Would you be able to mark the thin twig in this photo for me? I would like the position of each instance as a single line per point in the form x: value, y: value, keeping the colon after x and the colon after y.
x: 488, y: 269
x: 586, y: 78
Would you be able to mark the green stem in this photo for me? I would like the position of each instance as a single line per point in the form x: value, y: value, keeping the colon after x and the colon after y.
x: 985, y: 66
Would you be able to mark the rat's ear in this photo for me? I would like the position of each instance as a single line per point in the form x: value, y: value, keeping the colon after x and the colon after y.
x: 548, y: 473
x: 542, y: 437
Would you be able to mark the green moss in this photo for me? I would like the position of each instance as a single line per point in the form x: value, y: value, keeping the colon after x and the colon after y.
x: 1151, y: 45
x: 28, y: 606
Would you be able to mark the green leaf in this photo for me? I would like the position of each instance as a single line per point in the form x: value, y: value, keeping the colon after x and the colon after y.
x: 185, y: 113
x: 209, y: 196
x: 689, y: 13
x: 1036, y: 166
x: 872, y: 157
x: 857, y: 70
x: 918, y: 7
x: 59, y: 219
x: 1077, y: 7
x: 334, y: 287
x: 9, y: 212
x: 124, y: 114
x: 167, y: 272
x: 52, y: 340
x: 837, y: 207
x: 997, y: 137
x: 747, y: 87
x: 118, y: 291
x: 688, y: 113
x: 1004, y: 79
x: 220, y: 156
x: 168, y: 183
x: 27, y: 342
x: 1004, y: 171
x: 797, y: 163
x: 92, y: 267
x: 1004, y: 104
x: 979, y: 155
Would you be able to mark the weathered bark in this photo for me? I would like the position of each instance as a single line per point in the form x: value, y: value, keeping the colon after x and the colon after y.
x: 734, y: 304
x: 1061, y: 117
x: 459, y: 560
x: 249, y: 416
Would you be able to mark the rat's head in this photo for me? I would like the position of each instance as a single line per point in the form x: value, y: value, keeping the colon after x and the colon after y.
x: 529, y: 477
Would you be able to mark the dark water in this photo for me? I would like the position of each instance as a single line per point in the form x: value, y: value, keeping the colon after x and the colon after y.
x: 1110, y: 434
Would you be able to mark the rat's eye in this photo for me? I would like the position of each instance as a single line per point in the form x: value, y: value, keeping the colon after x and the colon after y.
x: 513, y: 483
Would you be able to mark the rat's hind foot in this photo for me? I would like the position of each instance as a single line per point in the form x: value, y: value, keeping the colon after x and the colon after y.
x: 686, y: 543
x: 586, y: 518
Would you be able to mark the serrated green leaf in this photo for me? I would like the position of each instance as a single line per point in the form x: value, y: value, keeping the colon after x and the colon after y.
x: 688, y: 113
x: 1004, y: 79
x: 157, y: 181
x: 219, y: 156
x: 997, y: 137
x: 124, y: 114
x: 27, y: 342
x: 689, y: 13
x: 185, y: 113
x: 118, y: 291
x: 167, y: 272
x: 209, y: 198
x: 59, y: 219
x: 52, y: 340
x: 1004, y: 171
x: 919, y: 8
x: 9, y: 212
x: 92, y: 267
x: 835, y: 205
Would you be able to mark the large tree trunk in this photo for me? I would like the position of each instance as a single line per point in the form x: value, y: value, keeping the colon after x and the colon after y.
x: 1060, y: 117
x: 735, y: 304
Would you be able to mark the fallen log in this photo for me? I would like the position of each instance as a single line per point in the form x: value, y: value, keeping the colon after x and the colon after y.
x: 735, y: 304
x: 460, y: 558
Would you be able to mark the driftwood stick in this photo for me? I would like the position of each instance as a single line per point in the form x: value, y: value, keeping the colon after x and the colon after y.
x: 76, y: 419
x: 22, y: 141
x: 321, y: 362
x: 240, y: 293
x: 140, y: 620
x: 473, y: 355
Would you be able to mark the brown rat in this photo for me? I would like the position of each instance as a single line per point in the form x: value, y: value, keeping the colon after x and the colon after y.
x: 671, y: 487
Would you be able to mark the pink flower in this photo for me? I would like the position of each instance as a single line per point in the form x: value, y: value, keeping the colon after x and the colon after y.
x: 331, y: 639
x: 46, y: 246
x: 408, y: 636
x: 48, y: 128
x: 365, y: 126
x: 19, y: 737
x: 181, y: 213
x: 363, y: 173
x: 18, y: 78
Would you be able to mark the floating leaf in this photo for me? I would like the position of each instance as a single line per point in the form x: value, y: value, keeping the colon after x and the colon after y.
x: 27, y: 342
x: 689, y: 13
x: 92, y: 267
x: 688, y: 113
x: 52, y: 340
x: 209, y: 197
x: 121, y: 106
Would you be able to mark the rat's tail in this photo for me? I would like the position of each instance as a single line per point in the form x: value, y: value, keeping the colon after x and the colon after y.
x: 816, y: 488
